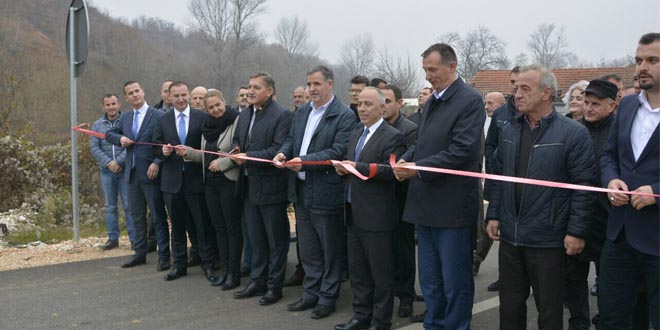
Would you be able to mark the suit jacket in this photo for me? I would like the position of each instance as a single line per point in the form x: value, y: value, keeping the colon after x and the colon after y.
x: 145, y: 155
x: 618, y: 162
x: 374, y: 202
x: 174, y: 177
x: 323, y: 188
x: 267, y: 183
x: 448, y: 136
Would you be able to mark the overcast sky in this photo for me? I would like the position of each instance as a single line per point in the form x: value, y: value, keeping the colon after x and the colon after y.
x: 595, y: 29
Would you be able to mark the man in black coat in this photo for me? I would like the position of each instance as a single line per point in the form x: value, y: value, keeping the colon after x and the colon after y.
x: 445, y: 207
x: 260, y: 132
x: 319, y: 131
x: 372, y: 215
x: 539, y: 225
x: 600, y: 103
x: 405, y: 234
x: 182, y: 184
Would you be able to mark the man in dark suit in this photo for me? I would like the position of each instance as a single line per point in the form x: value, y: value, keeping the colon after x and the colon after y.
x: 182, y: 186
x: 372, y: 215
x: 445, y: 207
x: 260, y: 132
x: 142, y: 175
x: 631, y: 162
x: 405, y: 234
x: 319, y: 131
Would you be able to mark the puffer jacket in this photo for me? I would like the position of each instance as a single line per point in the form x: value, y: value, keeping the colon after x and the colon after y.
x: 104, y: 151
x: 562, y: 153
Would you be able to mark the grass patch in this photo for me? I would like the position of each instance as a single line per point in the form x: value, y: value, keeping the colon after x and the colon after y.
x: 54, y: 235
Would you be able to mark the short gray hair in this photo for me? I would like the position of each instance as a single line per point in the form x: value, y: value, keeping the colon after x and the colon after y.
x: 379, y: 93
x: 547, y: 80
x: 325, y: 71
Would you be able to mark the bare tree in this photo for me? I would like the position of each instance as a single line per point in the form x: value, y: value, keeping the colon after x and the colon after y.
x: 398, y: 71
x: 548, y: 45
x: 479, y: 49
x: 521, y: 59
x: 293, y: 34
x: 228, y: 27
x: 357, y: 55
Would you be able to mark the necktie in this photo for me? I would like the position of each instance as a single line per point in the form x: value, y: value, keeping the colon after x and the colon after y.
x: 182, y: 128
x: 358, y: 150
x: 136, y: 119
x: 360, y: 145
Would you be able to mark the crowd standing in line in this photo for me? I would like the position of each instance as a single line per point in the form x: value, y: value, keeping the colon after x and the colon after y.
x: 234, y: 210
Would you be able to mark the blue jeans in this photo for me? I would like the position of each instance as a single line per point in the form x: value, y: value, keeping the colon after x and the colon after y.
x: 445, y: 276
x: 113, y: 184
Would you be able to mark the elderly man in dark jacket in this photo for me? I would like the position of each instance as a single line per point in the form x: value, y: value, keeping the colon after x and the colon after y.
x: 319, y: 131
x: 539, y: 225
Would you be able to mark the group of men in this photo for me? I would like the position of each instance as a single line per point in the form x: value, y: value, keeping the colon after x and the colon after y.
x: 367, y: 227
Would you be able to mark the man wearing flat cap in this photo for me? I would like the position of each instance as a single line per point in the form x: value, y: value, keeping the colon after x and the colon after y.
x: 600, y: 102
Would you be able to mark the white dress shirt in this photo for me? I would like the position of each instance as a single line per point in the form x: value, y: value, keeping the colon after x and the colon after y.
x: 186, y: 118
x: 142, y: 112
x: 312, y: 123
x: 645, y: 123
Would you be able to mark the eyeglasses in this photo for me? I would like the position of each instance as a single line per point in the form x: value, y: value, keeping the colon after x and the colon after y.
x: 242, y: 95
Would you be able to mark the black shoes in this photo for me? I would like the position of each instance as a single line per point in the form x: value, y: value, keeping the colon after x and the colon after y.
x: 233, y: 281
x: 110, y: 244
x: 134, y: 261
x: 300, y: 305
x: 176, y: 273
x: 251, y: 290
x: 296, y: 278
x: 194, y: 261
x: 163, y: 264
x: 418, y: 318
x: 213, y: 278
x: 272, y: 296
x: 353, y: 324
x: 495, y: 286
x: 405, y: 309
x: 322, y: 311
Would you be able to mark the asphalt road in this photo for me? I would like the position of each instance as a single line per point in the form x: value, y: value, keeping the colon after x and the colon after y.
x: 101, y: 295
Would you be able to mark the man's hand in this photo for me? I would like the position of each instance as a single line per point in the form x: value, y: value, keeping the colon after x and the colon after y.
x: 152, y: 171
x: 114, y: 167
x: 295, y: 167
x: 638, y: 201
x: 573, y: 245
x: 340, y: 169
x: 167, y: 150
x: 126, y: 142
x: 401, y: 172
x: 238, y: 160
x: 182, y: 150
x: 279, y: 160
x: 493, y: 230
x: 617, y: 199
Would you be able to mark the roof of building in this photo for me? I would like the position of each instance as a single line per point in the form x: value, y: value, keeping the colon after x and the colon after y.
x: 487, y: 81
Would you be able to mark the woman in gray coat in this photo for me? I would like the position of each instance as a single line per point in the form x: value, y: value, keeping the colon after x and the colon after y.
x: 220, y: 176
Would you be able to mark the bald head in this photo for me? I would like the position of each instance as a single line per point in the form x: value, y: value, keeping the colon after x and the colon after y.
x: 197, y: 97
x: 298, y: 96
x: 493, y: 101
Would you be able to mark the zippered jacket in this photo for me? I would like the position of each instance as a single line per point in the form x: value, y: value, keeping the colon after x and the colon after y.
x: 562, y: 152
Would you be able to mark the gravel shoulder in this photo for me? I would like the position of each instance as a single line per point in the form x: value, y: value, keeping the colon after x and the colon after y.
x: 40, y: 254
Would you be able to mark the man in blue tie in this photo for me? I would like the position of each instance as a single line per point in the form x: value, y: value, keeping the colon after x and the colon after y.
x: 142, y: 173
x: 372, y: 214
x: 182, y: 185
